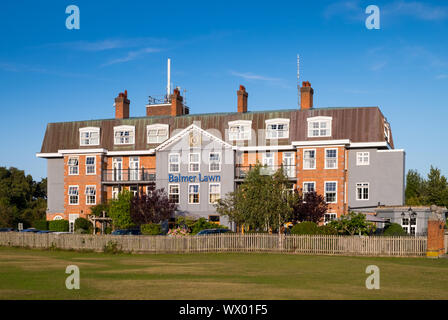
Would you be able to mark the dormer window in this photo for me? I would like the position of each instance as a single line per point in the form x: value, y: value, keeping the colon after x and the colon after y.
x: 157, y: 133
x: 277, y: 128
x: 124, y: 134
x: 319, y: 127
x: 240, y: 130
x: 89, y: 136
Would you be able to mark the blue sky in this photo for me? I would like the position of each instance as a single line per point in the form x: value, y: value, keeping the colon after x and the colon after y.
x: 50, y: 74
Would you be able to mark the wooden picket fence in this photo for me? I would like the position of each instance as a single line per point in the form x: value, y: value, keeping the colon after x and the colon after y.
x: 305, y: 244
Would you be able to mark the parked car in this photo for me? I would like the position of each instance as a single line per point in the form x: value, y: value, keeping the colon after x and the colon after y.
x: 30, y: 230
x: 7, y: 230
x: 44, y: 231
x: 212, y: 231
x: 122, y: 232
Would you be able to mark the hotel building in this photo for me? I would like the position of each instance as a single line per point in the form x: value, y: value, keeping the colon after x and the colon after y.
x: 346, y: 154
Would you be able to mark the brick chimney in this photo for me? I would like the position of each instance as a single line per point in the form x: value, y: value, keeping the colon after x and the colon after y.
x: 122, y: 105
x: 306, y: 95
x: 242, y: 99
x: 177, y: 105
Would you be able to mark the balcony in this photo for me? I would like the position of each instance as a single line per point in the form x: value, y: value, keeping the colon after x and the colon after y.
x: 288, y: 170
x: 129, y: 176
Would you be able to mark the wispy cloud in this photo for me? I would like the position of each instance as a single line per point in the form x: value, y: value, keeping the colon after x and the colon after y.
x: 106, y: 44
x: 252, y: 76
x: 131, y: 55
x: 349, y: 9
x: 419, y: 10
x: 354, y: 10
x: 18, y: 67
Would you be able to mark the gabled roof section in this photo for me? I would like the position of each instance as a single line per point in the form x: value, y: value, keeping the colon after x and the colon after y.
x: 186, y: 131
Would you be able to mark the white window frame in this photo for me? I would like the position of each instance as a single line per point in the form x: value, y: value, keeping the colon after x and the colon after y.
x: 198, y: 162
x: 58, y: 217
x: 326, y: 158
x: 308, y: 182
x: 336, y: 191
x: 70, y: 195
x: 387, y: 131
x: 115, y: 192
x: 330, y: 214
x: 198, y: 193
x: 89, y: 131
x: 244, y: 135
x: 274, y: 133
x: 70, y: 172
x: 158, y: 128
x: 210, y: 193
x: 320, y: 120
x: 91, y: 165
x: 173, y: 193
x: 289, y: 170
x: 88, y: 202
x: 362, y: 185
x: 131, y: 136
x: 304, y: 159
x: 177, y: 162
x: 360, y: 158
x: 214, y: 161
x: 407, y: 227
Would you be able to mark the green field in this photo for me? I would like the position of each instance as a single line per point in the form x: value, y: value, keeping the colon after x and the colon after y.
x: 35, y: 274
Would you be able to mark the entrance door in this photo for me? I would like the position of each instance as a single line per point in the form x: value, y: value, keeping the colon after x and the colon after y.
x: 117, y: 166
x: 289, y: 164
x: 71, y: 221
x: 134, y: 164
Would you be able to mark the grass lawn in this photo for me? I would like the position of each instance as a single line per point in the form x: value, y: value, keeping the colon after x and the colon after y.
x: 35, y: 274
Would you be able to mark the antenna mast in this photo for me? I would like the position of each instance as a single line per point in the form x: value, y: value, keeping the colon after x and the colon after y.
x: 168, y: 85
x: 298, y: 77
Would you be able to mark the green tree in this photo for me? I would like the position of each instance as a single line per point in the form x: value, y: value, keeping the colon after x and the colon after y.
x: 353, y: 224
x: 120, y: 210
x: 21, y: 198
x: 415, y: 188
x: 436, y: 188
x: 261, y: 202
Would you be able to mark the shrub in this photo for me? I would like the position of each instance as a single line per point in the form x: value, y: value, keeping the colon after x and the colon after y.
x: 327, y: 230
x: 306, y: 227
x: 151, y: 229
x: 108, y: 230
x: 40, y: 224
x: 394, y: 229
x: 112, y: 247
x: 58, y: 225
x: 83, y: 226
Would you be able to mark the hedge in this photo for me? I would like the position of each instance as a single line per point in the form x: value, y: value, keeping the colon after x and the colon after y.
x: 40, y: 224
x: 152, y: 229
x: 58, y: 225
x: 394, y: 229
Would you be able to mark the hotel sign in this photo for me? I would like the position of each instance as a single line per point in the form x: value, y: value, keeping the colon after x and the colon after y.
x: 198, y: 178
